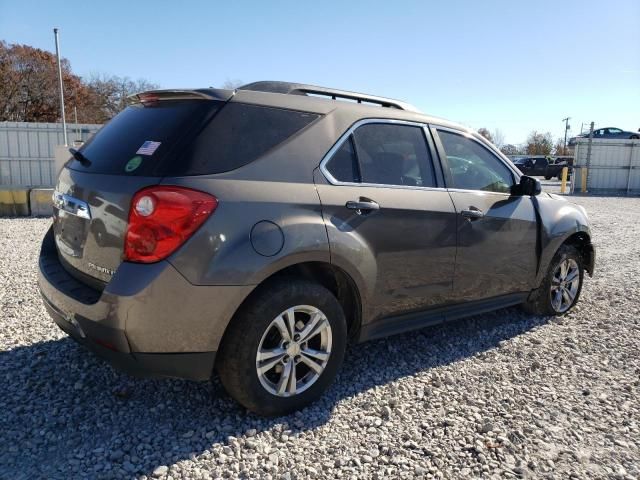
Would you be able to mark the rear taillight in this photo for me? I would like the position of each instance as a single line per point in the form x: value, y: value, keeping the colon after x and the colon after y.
x: 162, y: 218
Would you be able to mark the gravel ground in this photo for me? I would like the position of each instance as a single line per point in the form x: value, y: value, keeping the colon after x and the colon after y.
x: 496, y: 396
x: 553, y: 185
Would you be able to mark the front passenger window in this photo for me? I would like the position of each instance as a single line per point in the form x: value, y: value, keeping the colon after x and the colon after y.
x: 473, y: 167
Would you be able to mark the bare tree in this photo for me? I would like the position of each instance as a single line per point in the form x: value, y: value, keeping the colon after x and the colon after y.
x: 539, y: 143
x: 232, y: 84
x: 510, y: 149
x: 560, y: 149
x: 498, y: 137
x: 110, y: 93
x: 485, y: 133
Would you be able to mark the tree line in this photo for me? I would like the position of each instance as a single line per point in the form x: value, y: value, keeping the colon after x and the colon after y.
x: 29, y: 89
x: 537, y: 143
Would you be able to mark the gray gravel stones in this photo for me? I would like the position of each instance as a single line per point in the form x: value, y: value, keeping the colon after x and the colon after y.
x: 501, y: 395
x: 160, y: 471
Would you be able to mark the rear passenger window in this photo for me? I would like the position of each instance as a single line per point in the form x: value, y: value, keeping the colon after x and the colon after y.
x: 237, y: 135
x: 391, y: 154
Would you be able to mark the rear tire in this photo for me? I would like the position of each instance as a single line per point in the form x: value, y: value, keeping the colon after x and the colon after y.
x: 547, y: 177
x: 284, y: 348
x: 561, y: 287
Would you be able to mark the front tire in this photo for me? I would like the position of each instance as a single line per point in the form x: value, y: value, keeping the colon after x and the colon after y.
x: 284, y: 348
x: 561, y: 287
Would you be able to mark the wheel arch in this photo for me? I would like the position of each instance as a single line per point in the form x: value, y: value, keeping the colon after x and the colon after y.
x: 562, y: 222
x: 332, y: 277
x: 582, y: 242
x: 580, y: 239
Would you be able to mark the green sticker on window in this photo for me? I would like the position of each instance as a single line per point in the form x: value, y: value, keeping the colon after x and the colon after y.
x: 132, y: 164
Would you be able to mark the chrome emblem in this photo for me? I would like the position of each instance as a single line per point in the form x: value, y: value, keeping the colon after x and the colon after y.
x: 71, y: 205
x: 100, y: 269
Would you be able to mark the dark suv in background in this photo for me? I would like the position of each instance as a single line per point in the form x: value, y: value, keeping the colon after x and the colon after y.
x: 543, y: 166
x: 256, y: 231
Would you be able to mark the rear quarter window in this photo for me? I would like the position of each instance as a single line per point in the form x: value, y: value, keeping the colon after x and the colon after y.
x: 237, y: 135
x: 343, y: 165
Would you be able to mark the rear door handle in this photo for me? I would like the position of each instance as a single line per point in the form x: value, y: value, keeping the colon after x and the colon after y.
x: 362, y: 206
x: 472, y: 213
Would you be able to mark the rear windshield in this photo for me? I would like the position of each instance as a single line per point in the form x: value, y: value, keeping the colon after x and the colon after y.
x: 182, y: 138
x: 238, y: 135
x: 143, y: 137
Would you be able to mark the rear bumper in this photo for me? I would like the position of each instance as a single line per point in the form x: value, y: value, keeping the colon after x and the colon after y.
x: 191, y: 366
x: 148, y: 321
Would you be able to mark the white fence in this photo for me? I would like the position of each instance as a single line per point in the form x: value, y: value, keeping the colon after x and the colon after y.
x: 27, y: 151
x: 612, y: 166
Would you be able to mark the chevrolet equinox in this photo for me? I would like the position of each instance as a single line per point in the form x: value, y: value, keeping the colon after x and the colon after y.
x: 256, y: 232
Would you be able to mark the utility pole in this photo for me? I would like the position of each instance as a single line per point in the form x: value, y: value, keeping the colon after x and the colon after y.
x: 64, y: 121
x: 566, y: 128
x: 75, y: 119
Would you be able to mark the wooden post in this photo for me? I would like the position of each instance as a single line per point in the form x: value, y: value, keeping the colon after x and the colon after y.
x: 583, y: 178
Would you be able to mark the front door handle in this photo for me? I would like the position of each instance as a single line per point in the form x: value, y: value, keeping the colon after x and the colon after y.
x: 362, y: 206
x: 472, y: 213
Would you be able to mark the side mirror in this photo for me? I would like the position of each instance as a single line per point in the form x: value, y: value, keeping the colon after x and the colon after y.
x: 527, y: 186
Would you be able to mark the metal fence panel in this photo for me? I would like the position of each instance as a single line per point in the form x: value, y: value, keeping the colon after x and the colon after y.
x: 614, y: 165
x: 634, y: 166
x: 27, y: 151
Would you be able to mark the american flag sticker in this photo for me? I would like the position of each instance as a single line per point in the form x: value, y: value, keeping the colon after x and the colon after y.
x: 148, y: 148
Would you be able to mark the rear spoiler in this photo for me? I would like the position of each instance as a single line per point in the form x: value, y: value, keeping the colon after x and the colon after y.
x: 200, y: 94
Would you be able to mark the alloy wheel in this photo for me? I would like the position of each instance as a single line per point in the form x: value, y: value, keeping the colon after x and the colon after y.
x: 564, y: 285
x: 294, y: 351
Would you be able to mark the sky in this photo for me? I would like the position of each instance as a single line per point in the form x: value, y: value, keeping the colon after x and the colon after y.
x: 515, y: 66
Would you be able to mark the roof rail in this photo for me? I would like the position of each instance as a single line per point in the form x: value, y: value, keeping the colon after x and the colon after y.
x: 288, y: 88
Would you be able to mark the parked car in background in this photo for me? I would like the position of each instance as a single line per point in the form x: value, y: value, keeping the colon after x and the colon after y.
x: 608, y: 132
x: 257, y: 231
x: 546, y: 167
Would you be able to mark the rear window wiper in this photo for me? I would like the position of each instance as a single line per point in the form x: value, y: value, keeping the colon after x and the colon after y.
x: 84, y: 161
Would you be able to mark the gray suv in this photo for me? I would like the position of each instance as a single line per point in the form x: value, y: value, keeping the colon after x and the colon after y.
x: 256, y: 232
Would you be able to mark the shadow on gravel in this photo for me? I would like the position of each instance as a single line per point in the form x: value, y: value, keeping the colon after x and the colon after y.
x: 64, y: 413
